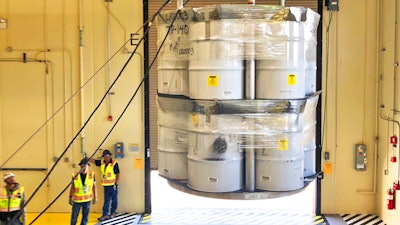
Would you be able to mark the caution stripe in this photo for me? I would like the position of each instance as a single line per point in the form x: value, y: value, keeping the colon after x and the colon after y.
x: 362, y: 219
x: 122, y: 218
x: 231, y: 216
x: 319, y: 220
x: 146, y: 218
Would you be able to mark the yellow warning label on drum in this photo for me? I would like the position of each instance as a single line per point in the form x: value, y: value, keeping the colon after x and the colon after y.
x: 195, y: 118
x: 291, y: 80
x: 212, y: 81
x: 283, y: 145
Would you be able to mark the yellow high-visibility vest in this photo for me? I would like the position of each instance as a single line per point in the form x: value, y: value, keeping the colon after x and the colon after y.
x: 83, y: 193
x: 108, y: 173
x: 12, y: 202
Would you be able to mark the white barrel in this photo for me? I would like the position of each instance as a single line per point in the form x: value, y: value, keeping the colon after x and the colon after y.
x: 309, y: 136
x: 215, y: 175
x: 173, y: 77
x: 281, y: 54
x: 281, y: 68
x: 309, y: 149
x: 310, y: 81
x: 216, y: 68
x: 308, y: 118
x: 215, y: 163
x: 280, y: 162
x: 279, y: 175
x: 279, y: 83
x: 172, y: 164
x: 172, y: 152
x: 173, y: 59
x: 309, y: 160
x: 214, y: 146
x: 213, y: 73
x: 311, y: 67
x: 172, y: 139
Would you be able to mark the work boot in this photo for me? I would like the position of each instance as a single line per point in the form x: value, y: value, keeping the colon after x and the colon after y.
x: 103, y: 218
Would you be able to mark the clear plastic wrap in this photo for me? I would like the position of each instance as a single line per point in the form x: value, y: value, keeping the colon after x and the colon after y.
x: 263, y: 28
x: 209, y: 49
x: 261, y: 119
x: 174, y: 140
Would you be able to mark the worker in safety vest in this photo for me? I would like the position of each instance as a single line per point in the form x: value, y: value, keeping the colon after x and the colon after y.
x: 12, y: 200
x: 83, y: 191
x: 110, y: 177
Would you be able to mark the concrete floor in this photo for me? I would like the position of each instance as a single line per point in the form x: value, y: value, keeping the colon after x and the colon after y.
x: 335, y: 220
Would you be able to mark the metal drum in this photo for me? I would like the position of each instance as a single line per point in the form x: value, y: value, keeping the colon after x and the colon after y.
x: 173, y: 77
x: 215, y: 163
x: 281, y: 61
x: 310, y: 81
x: 308, y: 118
x: 172, y: 139
x: 279, y: 83
x: 172, y: 144
x: 172, y: 164
x: 309, y: 160
x: 309, y: 150
x: 173, y: 59
x: 280, y: 162
x: 311, y: 58
x: 311, y: 67
x: 216, y: 68
x: 172, y: 151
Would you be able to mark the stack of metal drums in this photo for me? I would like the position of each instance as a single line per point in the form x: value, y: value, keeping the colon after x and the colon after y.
x: 236, y: 88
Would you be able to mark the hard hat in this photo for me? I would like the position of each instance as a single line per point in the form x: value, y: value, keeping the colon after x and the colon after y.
x: 106, y: 152
x: 8, y: 175
x: 84, y: 161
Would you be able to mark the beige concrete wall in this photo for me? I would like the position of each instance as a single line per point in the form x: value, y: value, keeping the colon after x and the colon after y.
x: 349, y: 110
x: 388, y: 95
x: 35, y: 91
x: 361, y: 84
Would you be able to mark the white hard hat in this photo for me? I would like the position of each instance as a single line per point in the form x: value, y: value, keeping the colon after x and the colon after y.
x: 8, y: 175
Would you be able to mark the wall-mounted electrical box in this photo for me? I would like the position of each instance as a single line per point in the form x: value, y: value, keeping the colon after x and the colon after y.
x: 332, y: 5
x: 119, y: 150
x: 361, y: 157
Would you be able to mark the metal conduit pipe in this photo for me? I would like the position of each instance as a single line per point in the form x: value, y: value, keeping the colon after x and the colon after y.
x: 395, y: 61
x: 110, y: 115
x: 81, y: 77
